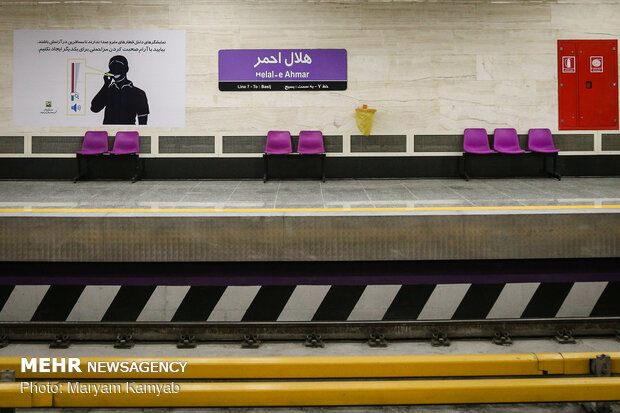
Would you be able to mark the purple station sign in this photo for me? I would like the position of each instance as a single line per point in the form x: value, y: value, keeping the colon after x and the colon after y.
x: 282, y: 69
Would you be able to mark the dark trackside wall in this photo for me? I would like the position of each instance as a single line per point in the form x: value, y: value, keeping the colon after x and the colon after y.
x: 499, y: 166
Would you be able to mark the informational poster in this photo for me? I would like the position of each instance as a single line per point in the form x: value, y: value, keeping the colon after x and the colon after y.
x: 98, y: 77
x: 282, y: 69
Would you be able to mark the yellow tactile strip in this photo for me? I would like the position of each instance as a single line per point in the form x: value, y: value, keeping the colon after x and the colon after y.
x: 293, y: 210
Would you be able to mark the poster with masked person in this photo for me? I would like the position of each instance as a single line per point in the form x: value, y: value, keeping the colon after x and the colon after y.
x: 123, y: 102
x: 90, y: 78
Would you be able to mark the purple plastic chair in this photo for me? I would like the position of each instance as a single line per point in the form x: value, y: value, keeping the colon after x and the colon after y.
x: 128, y: 143
x: 278, y: 143
x: 95, y: 143
x: 475, y: 142
x: 311, y: 143
x: 541, y: 141
x: 506, y: 140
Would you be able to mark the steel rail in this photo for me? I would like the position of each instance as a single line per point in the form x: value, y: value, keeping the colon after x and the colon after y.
x: 283, y: 331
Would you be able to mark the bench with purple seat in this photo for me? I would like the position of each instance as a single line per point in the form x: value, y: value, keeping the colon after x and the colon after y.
x: 127, y: 143
x: 541, y: 141
x: 506, y: 141
x: 475, y: 142
x: 96, y: 144
x: 279, y: 144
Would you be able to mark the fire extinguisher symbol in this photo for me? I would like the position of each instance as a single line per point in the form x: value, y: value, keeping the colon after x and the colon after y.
x: 568, y: 64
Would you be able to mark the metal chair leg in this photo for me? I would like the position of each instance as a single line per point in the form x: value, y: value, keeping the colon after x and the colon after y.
x: 323, y: 167
x: 266, y: 163
x: 555, y: 168
x: 136, y: 168
x: 553, y: 173
x: 463, y: 166
x: 79, y: 169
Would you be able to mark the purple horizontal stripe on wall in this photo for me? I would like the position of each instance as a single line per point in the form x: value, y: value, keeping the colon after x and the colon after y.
x: 254, y: 65
x: 317, y: 273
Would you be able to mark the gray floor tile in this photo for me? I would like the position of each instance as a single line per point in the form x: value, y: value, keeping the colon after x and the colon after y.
x: 496, y: 203
x: 428, y: 181
x: 187, y: 185
x: 558, y: 202
x: 436, y: 194
x: 524, y: 194
x: 256, y: 204
x: 515, y: 188
x: 115, y: 205
x: 381, y: 183
x: 477, y: 191
x: 345, y: 194
x: 482, y: 195
x: 255, y: 191
x: 215, y: 186
x: 390, y: 193
x: 337, y: 204
x: 438, y: 203
x: 283, y: 201
x: 423, y: 185
x: 212, y: 197
x: 169, y: 195
x: 250, y: 196
x: 394, y: 204
x: 300, y: 185
x: 299, y: 205
x: 258, y: 184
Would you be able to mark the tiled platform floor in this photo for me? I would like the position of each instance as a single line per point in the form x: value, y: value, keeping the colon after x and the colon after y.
x: 379, y: 194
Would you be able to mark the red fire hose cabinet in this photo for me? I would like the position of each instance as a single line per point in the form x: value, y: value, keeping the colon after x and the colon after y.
x: 587, y: 84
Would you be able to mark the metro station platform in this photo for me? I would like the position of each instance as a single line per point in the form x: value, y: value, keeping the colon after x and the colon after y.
x: 431, y: 219
x: 306, y: 251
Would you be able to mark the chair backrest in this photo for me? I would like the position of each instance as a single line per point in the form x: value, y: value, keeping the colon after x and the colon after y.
x: 540, y: 140
x: 126, y: 142
x: 95, y: 142
x: 476, y: 140
x: 278, y: 142
x: 310, y: 142
x: 506, y: 140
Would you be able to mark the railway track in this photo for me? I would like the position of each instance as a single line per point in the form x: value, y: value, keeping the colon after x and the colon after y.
x: 278, y: 331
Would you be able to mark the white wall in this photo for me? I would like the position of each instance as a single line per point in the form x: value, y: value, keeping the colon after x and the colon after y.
x: 427, y: 67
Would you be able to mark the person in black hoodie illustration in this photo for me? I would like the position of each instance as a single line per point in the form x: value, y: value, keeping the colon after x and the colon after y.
x: 123, y: 102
